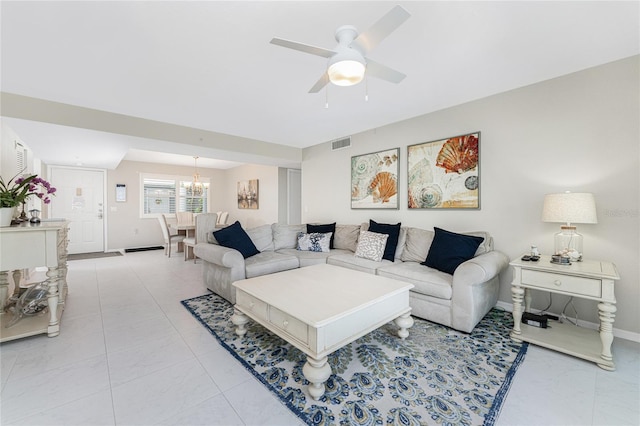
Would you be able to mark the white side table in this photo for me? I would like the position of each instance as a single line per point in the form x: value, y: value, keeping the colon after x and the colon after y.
x: 589, y: 279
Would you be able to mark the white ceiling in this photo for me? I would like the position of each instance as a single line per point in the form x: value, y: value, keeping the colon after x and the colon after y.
x: 209, y: 65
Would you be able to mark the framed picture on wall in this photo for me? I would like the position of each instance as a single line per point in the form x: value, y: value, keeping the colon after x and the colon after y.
x: 444, y: 174
x: 248, y: 194
x: 374, y: 180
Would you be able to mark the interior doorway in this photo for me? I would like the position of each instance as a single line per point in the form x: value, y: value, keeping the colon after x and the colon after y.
x: 294, y: 196
x: 80, y: 200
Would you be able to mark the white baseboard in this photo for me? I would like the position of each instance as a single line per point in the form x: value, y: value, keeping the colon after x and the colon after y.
x: 622, y: 334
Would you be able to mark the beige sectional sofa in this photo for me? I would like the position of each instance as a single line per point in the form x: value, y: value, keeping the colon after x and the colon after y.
x: 458, y: 301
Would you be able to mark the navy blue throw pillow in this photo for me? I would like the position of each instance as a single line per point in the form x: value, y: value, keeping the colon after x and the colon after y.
x: 323, y: 229
x: 233, y: 236
x: 393, y: 231
x: 448, y: 250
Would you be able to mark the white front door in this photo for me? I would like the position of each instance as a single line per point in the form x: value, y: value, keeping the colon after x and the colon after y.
x: 80, y: 200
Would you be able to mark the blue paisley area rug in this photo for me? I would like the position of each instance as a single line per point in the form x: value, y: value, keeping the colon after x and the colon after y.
x: 436, y: 376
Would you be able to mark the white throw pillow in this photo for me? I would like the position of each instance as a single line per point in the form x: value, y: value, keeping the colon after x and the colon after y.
x: 371, y: 245
x: 314, y: 241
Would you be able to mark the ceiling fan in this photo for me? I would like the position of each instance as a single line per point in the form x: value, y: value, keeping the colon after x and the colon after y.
x: 348, y: 61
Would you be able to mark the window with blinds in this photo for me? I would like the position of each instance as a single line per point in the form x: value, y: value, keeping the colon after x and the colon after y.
x: 171, y: 194
x: 190, y: 202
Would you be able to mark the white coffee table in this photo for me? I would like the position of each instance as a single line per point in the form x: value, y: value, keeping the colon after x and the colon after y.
x: 321, y: 308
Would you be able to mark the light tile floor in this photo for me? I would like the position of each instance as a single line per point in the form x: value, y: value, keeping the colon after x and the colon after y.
x: 130, y: 354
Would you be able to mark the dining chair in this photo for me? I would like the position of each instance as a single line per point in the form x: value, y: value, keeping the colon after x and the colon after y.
x: 184, y: 218
x: 168, y: 237
x: 222, y: 218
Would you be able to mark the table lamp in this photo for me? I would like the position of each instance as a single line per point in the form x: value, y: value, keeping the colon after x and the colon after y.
x: 569, y: 208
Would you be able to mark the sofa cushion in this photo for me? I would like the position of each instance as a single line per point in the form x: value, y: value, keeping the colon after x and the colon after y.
x: 308, y: 258
x: 351, y: 261
x: 487, y: 243
x: 329, y: 227
x: 427, y: 281
x: 269, y: 262
x: 262, y: 237
x: 416, y: 246
x: 449, y: 250
x: 286, y: 236
x: 346, y: 237
x: 233, y: 236
x: 393, y: 231
x: 314, y: 241
x: 371, y: 245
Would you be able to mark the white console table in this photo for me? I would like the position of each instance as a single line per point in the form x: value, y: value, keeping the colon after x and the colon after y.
x: 588, y: 279
x: 28, y: 246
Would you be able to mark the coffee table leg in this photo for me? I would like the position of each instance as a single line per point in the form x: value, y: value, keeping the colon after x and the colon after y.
x: 404, y: 322
x: 239, y: 319
x: 316, y: 371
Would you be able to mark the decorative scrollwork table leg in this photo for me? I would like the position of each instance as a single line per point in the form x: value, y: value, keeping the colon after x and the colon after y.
x: 4, y: 289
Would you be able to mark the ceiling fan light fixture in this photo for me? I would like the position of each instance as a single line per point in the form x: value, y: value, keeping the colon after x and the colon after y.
x: 346, y: 73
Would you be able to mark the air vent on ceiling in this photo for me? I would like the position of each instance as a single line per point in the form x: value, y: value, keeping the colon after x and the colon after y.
x: 341, y: 143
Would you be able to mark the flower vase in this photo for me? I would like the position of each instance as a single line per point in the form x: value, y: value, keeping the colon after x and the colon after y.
x: 6, y: 216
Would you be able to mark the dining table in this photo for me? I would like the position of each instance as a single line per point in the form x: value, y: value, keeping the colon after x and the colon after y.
x: 186, y: 229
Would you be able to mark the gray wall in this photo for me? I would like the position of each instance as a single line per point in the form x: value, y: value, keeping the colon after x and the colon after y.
x: 578, y: 132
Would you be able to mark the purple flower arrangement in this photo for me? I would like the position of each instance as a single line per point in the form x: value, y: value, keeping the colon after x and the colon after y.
x: 17, y: 191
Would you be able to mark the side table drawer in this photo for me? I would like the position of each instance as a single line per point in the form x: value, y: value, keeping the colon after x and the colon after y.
x: 567, y: 283
x: 289, y: 324
x: 251, y: 304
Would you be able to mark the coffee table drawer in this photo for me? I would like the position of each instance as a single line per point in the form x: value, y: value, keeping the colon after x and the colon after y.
x: 566, y: 283
x: 251, y: 304
x: 289, y: 324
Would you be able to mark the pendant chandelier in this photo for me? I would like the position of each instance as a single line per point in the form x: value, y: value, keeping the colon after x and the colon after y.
x: 195, y: 187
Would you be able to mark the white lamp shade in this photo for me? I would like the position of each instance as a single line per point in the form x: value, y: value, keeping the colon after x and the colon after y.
x: 569, y: 207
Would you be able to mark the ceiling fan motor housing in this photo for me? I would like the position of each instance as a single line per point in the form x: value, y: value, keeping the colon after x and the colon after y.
x: 347, y: 66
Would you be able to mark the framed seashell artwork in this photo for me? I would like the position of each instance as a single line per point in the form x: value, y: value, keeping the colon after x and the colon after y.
x: 444, y: 174
x: 374, y: 180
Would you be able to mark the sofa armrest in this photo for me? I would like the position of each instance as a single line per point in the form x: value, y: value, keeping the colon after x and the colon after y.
x: 219, y: 255
x: 221, y: 266
x: 480, y: 269
x: 475, y: 289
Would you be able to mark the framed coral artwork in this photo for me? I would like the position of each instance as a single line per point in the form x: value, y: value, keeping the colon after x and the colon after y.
x: 374, y: 180
x: 444, y: 174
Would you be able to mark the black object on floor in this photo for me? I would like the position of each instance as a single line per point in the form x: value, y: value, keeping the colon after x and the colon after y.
x: 133, y: 250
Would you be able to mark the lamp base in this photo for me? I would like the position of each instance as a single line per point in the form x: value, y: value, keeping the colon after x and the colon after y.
x: 558, y: 259
x: 568, y: 243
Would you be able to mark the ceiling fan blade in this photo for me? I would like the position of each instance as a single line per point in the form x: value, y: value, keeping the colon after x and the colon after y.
x: 370, y: 38
x: 323, y: 81
x: 306, y: 48
x: 375, y: 69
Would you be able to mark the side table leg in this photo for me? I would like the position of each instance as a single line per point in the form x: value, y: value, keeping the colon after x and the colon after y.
x: 316, y: 371
x: 606, y: 312
x: 239, y: 320
x: 404, y: 322
x: 52, y: 300
x: 517, y: 294
x: 527, y: 300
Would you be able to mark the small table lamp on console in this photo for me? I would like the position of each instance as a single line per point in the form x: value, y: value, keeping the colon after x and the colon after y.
x: 568, y: 208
